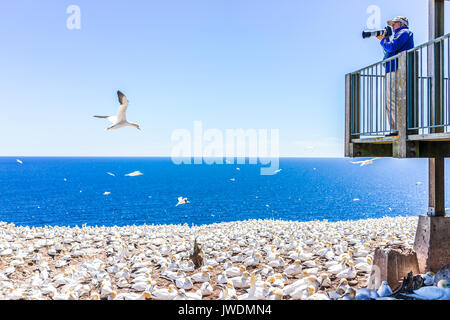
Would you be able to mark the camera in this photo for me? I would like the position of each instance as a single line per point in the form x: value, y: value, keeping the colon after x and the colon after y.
x: 376, y: 33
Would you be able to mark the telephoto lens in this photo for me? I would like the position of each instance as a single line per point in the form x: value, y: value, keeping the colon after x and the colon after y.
x: 376, y: 33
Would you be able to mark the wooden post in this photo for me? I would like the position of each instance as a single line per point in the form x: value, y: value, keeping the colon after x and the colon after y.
x: 435, y: 165
x: 434, y: 67
x: 436, y: 196
x: 399, y: 149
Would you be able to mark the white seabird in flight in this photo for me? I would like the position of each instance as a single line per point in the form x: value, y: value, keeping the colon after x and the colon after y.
x: 19, y: 161
x: 182, y: 200
x: 134, y: 174
x: 365, y: 162
x: 120, y: 120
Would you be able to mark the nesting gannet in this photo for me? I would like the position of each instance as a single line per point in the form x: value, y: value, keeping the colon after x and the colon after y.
x: 120, y: 120
x: 255, y: 293
x: 325, y: 281
x: 184, y: 283
x: 365, y: 162
x: 364, y: 266
x: 134, y: 174
x: 233, y: 271
x: 228, y: 292
x: 206, y: 289
x: 275, y: 294
x: 142, y: 285
x: 197, y: 295
x: 171, y: 275
x: 241, y: 281
x: 349, y: 273
x: 335, y: 269
x: 222, y: 278
x: 439, y: 292
x: 350, y: 294
x: 276, y: 280
x: 428, y: 278
x: 366, y: 294
x: 294, y: 269
x: 182, y: 200
x: 165, y: 293
x: 253, y: 260
x: 384, y: 290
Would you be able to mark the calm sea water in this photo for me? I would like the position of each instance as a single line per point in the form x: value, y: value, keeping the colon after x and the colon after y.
x: 36, y: 193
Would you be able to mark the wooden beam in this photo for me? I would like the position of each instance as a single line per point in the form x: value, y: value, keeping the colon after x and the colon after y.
x: 358, y: 150
x: 430, y: 149
x: 436, y: 196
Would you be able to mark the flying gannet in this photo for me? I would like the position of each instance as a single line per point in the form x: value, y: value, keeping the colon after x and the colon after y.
x: 134, y: 174
x: 182, y: 200
x: 120, y: 120
x: 365, y: 162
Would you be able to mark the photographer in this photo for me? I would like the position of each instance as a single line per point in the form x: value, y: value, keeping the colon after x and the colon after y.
x: 403, y: 40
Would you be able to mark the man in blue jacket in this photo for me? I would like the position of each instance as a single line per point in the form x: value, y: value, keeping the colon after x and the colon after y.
x: 403, y: 40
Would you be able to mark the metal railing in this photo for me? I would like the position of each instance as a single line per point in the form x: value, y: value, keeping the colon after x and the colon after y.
x: 422, y: 76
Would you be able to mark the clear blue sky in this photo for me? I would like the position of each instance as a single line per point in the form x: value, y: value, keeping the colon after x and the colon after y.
x: 259, y: 64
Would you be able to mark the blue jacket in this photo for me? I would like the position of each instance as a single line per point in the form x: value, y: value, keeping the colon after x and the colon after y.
x: 403, y: 40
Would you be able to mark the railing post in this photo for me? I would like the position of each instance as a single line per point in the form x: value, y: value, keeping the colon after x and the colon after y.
x: 399, y: 149
x: 356, y: 106
x: 413, y: 87
x: 348, y: 107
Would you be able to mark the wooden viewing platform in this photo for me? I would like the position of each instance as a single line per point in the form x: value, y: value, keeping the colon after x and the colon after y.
x: 419, y: 92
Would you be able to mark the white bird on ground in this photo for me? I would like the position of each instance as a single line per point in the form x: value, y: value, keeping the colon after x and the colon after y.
x: 184, y: 283
x: 365, y: 162
x: 203, y: 276
x: 384, y: 290
x: 228, y: 292
x: 134, y: 174
x: 182, y: 200
x: 232, y: 271
x: 255, y: 293
x: 165, y: 293
x: 428, y: 278
x: 241, y: 281
x: 441, y: 292
x: 206, y: 289
x: 294, y: 269
x: 120, y: 120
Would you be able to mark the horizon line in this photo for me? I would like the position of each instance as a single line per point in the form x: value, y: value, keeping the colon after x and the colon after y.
x: 152, y: 156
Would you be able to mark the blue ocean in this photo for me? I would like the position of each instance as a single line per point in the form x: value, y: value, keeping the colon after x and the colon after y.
x: 71, y: 191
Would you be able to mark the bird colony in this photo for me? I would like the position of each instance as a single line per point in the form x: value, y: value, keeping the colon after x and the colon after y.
x: 253, y: 259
